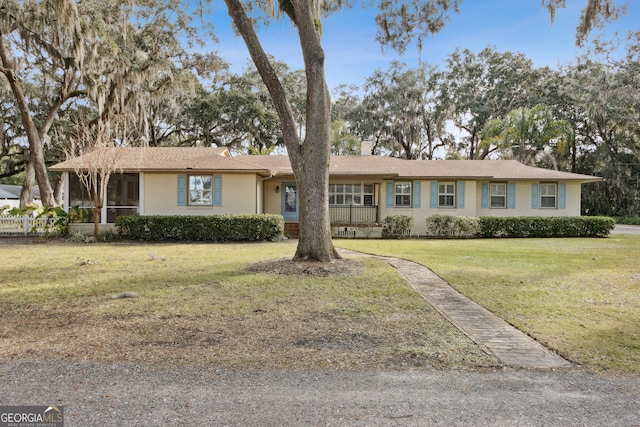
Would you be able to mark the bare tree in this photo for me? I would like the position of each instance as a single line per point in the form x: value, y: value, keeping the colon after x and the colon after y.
x: 104, y: 141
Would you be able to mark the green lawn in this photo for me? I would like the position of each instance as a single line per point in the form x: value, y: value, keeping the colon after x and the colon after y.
x: 197, y: 305
x: 581, y: 297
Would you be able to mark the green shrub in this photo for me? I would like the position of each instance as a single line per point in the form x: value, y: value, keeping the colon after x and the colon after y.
x: 447, y: 227
x: 396, y: 226
x: 216, y: 228
x: 578, y: 226
x: 109, y: 236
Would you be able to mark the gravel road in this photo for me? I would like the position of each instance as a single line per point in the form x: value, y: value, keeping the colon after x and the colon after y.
x: 130, y: 395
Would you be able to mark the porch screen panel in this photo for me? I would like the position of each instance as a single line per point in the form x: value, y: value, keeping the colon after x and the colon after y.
x: 79, y: 197
x: 123, y: 196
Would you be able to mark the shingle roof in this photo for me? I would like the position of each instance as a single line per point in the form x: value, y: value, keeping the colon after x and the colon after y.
x: 173, y: 159
x: 514, y: 170
x: 163, y: 159
x: 391, y: 167
x: 508, y: 170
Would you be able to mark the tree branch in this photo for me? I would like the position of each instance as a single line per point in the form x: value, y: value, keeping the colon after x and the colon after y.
x: 268, y: 74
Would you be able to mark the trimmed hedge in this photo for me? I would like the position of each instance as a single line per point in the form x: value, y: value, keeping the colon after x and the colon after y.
x: 215, y: 228
x: 396, y: 226
x: 452, y: 227
x: 529, y: 226
x: 445, y: 226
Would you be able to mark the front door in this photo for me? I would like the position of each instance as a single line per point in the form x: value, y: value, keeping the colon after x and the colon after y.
x: 290, y: 201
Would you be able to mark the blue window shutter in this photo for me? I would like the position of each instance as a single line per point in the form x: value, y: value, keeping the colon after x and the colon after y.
x: 182, y: 190
x: 217, y: 190
x: 390, y: 193
x: 460, y: 194
x: 535, y: 196
x: 416, y: 194
x: 562, y: 196
x: 511, y: 195
x: 433, y: 194
x: 485, y: 195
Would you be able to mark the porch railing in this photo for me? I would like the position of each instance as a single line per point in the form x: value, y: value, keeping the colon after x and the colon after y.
x: 353, y: 214
x: 24, y: 225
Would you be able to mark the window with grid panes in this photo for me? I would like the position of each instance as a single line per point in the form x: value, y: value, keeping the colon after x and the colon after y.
x: 403, y: 194
x: 446, y: 194
x: 498, y: 195
x: 548, y: 195
x: 200, y: 190
x: 351, y: 194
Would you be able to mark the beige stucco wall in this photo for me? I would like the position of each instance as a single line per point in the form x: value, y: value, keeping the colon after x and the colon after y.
x: 238, y: 196
x: 272, y: 199
x: 420, y: 215
x: 473, y: 202
x: 523, y: 202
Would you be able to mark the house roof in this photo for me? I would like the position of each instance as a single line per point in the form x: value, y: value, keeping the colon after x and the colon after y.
x: 379, y: 166
x: 207, y: 159
x: 513, y: 170
x: 392, y: 167
x: 163, y: 159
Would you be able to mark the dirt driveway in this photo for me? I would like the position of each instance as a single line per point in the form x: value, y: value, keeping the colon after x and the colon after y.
x: 128, y: 395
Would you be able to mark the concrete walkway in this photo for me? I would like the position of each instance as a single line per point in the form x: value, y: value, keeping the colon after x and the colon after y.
x: 495, y: 336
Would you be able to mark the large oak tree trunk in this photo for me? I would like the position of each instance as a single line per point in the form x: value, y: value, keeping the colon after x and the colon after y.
x: 309, y: 159
x: 313, y: 186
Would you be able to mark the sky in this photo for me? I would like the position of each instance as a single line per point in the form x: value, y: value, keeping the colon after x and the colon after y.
x: 352, y: 54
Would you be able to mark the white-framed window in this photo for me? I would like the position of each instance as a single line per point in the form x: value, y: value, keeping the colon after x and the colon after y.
x: 345, y: 194
x: 446, y: 194
x: 367, y: 194
x: 498, y: 195
x: 403, y: 194
x: 548, y: 195
x: 200, y: 190
x: 351, y: 194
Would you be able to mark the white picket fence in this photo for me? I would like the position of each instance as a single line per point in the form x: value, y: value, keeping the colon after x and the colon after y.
x: 24, y: 225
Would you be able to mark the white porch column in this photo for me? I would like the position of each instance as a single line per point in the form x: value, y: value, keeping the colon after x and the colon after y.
x: 65, y: 192
x: 141, y: 193
x: 103, y: 211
